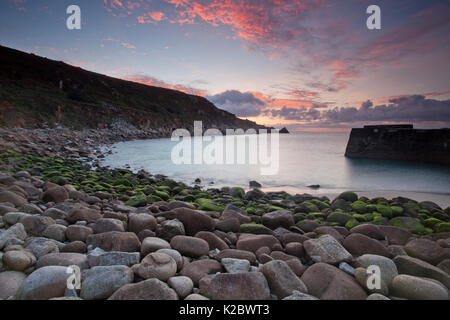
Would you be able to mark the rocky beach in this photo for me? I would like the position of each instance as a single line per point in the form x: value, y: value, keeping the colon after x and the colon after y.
x: 143, y: 236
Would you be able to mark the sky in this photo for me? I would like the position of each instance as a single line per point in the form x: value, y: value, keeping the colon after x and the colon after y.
x: 303, y: 64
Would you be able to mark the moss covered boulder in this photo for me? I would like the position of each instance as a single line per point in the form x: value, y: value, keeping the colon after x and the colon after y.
x: 137, y: 201
x: 443, y: 227
x: 348, y: 196
x: 359, y: 206
x: 412, y: 224
x: 209, y: 205
x: 341, y: 218
x: 237, y: 192
x: 385, y: 211
x: 254, y: 228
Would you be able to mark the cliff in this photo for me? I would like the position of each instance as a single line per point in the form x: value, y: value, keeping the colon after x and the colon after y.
x: 400, y: 142
x: 37, y: 92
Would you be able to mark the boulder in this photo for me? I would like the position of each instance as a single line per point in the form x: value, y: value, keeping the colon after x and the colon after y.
x: 78, y: 233
x: 190, y: 246
x: 56, y: 232
x: 114, y: 258
x: 11, y: 197
x: 10, y: 282
x: 196, y: 270
x: 370, y: 230
x: 425, y: 249
x: 233, y: 212
x: 101, y: 282
x: 170, y: 229
x: 415, y: 288
x: 182, y: 285
x: 237, y: 286
x: 235, y: 265
x: 415, y: 267
x: 16, y: 231
x: 83, y: 214
x: 322, y: 230
x: 35, y: 225
x: 279, y: 218
x: 359, y: 244
x: 42, y: 246
x: 55, y: 194
x: 282, y: 281
x: 141, y: 221
x: 250, y: 242
x: 213, y: 241
x: 395, y: 235
x: 326, y: 249
x: 236, y: 254
x: 297, y: 295
x: 63, y: 259
x: 157, y: 265
x: 228, y: 225
x: 329, y: 283
x: 108, y: 224
x: 193, y: 220
x: 44, y: 283
x: 175, y: 256
x: 152, y: 244
x: 174, y: 204
x: 387, y: 267
x: 55, y: 213
x: 75, y: 247
x: 151, y: 289
x: 115, y: 241
x: 371, y: 285
x: 18, y: 260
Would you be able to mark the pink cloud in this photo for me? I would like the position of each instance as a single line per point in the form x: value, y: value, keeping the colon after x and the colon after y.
x: 151, y: 81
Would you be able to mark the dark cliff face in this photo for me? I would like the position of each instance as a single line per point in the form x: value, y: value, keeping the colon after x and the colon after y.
x: 31, y: 96
x: 400, y: 143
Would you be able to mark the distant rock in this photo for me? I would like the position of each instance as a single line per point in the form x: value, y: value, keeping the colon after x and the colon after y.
x: 255, y: 184
x: 284, y: 130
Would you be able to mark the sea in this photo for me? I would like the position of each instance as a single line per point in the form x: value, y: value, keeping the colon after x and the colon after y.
x: 303, y: 159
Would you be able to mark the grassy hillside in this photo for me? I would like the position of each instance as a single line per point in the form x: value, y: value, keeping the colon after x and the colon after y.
x: 30, y: 97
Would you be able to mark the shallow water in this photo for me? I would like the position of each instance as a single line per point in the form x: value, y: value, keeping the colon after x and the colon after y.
x: 304, y: 159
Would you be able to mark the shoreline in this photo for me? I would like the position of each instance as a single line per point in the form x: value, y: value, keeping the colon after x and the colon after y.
x: 91, y: 145
x: 135, y: 235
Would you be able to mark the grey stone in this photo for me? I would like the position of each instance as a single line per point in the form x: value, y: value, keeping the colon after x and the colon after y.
x: 102, y: 281
x: 44, y: 283
x: 10, y: 282
x: 182, y: 285
x: 297, y: 295
x: 282, y: 280
x: 237, y: 286
x: 235, y: 265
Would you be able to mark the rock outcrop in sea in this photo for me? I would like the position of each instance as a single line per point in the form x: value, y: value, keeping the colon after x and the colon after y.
x: 400, y: 142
